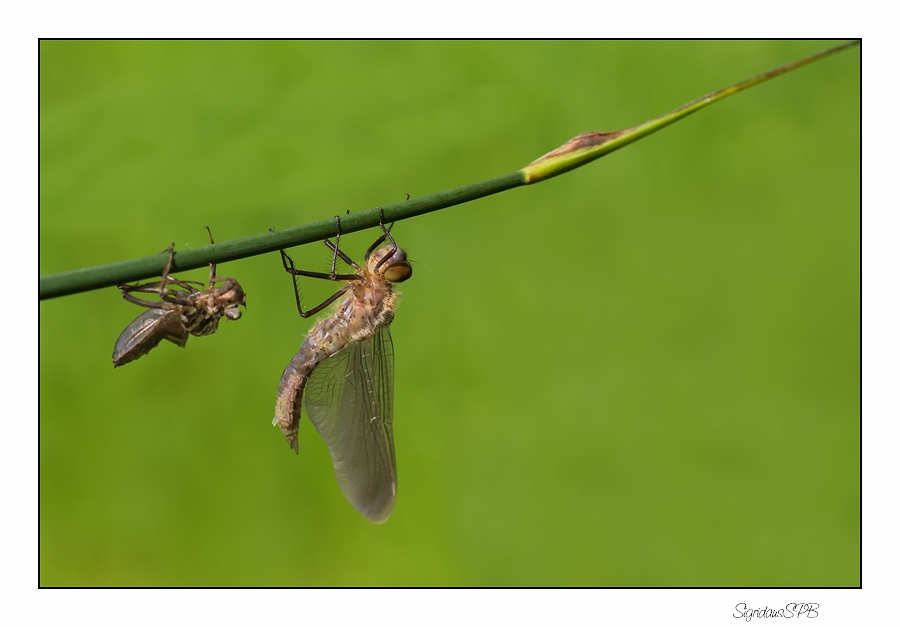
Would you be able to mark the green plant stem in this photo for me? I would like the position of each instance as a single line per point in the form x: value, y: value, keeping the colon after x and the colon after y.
x: 576, y: 152
x: 145, y: 267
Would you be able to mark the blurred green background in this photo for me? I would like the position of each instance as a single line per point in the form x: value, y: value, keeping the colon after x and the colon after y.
x: 642, y: 373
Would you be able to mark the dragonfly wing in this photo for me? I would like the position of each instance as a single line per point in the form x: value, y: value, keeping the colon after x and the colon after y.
x: 146, y: 332
x: 350, y: 400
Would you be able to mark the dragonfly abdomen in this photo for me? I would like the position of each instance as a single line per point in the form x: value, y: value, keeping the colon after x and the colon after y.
x: 325, y: 338
x: 146, y: 332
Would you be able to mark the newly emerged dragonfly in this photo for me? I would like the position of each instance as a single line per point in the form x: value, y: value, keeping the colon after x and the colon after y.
x: 181, y: 310
x: 343, y: 375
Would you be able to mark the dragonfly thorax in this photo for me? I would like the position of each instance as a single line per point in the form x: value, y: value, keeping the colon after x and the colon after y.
x: 201, y: 316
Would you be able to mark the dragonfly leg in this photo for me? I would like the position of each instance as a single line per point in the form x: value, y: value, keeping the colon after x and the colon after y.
x: 158, y: 287
x: 342, y: 255
x: 175, y: 296
x: 288, y: 264
x: 385, y: 235
x: 163, y: 292
x: 212, y: 266
x: 188, y: 285
x: 337, y: 242
x: 229, y: 282
x: 150, y: 304
x: 336, y: 248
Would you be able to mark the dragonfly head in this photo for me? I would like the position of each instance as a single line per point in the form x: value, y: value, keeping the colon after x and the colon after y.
x: 232, y: 299
x: 395, y: 268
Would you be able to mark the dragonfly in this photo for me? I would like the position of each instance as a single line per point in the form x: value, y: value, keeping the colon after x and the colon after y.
x: 181, y: 311
x: 343, y: 374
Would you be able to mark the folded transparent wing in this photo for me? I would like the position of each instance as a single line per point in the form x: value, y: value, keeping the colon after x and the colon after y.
x: 349, y: 398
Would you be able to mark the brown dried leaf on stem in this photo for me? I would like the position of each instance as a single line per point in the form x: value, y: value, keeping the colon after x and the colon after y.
x: 581, y: 142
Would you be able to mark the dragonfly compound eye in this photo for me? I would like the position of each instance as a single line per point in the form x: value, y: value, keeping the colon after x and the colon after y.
x: 398, y: 272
